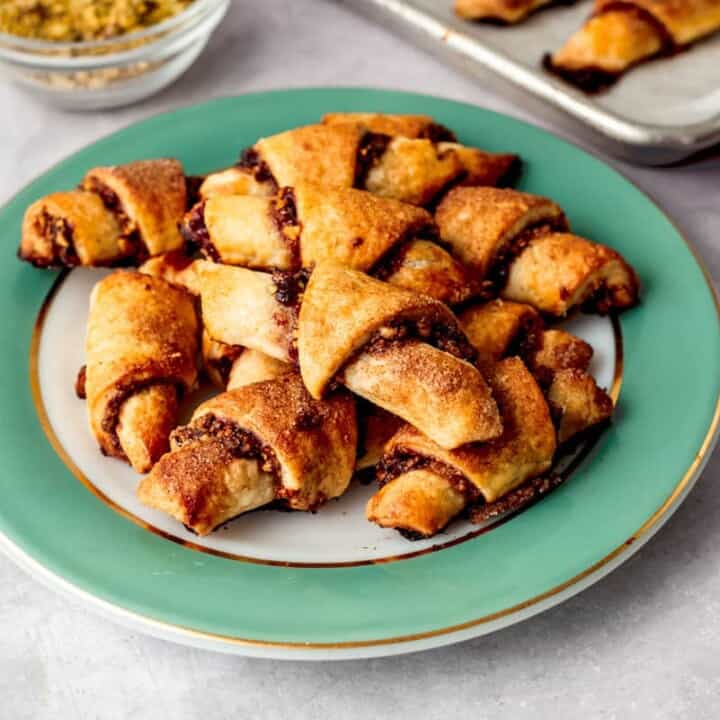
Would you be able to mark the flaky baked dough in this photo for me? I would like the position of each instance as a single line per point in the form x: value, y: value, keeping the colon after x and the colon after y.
x: 235, y: 181
x: 514, y: 241
x: 621, y: 34
x: 504, y: 11
x: 427, y: 268
x: 70, y: 228
x: 142, y: 335
x: 350, y: 227
x: 524, y: 450
x: 445, y: 396
x: 558, y: 360
x: 577, y: 403
x: 239, y: 307
x: 410, y: 126
x: 559, y: 271
x: 322, y: 154
x: 152, y: 194
x: 309, y: 449
x: 478, y: 222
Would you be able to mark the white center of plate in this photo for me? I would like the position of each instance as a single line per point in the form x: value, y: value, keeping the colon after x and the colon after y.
x: 337, y: 534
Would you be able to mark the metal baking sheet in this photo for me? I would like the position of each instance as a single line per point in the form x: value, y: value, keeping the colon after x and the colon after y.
x: 661, y: 112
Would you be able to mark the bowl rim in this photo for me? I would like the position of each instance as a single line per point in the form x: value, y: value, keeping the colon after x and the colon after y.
x: 193, y: 13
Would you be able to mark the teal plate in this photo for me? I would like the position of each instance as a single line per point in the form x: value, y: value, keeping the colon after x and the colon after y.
x: 641, y: 470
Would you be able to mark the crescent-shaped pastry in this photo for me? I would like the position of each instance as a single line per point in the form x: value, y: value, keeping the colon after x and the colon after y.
x: 399, y: 350
x: 516, y: 244
x: 557, y: 272
x: 620, y: 35
x: 140, y: 349
x: 309, y: 224
x: 576, y: 403
x: 413, y: 164
x: 557, y: 359
x: 504, y: 12
x: 304, y: 225
x: 119, y: 216
x: 264, y: 442
x: 148, y: 197
x: 241, y: 307
x: 70, y: 228
x: 409, y: 126
x: 424, y: 485
x: 427, y: 268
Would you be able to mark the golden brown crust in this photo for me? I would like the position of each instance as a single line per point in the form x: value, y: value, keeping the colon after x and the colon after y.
x: 413, y: 171
x: 481, y: 167
x: 304, y: 454
x: 352, y: 227
x: 253, y: 366
x: 70, y: 228
x: 239, y: 307
x: 202, y: 485
x: 323, y: 154
x: 145, y: 422
x: 243, y: 231
x: 506, y: 11
x: 409, y: 126
x: 421, y: 502
x: 559, y: 271
x: 623, y: 33
x: 444, y: 395
x: 525, y: 448
x: 577, y: 403
x: 446, y: 398
x: 235, y: 181
x: 360, y: 306
x: 175, y: 267
x: 142, y: 331
x: 609, y: 43
x: 478, y: 222
x: 428, y: 269
x: 313, y: 441
x: 494, y: 326
x: 559, y: 350
x: 685, y: 20
x: 152, y: 194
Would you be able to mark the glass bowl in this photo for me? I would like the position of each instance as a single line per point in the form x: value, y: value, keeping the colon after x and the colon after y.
x: 113, y: 72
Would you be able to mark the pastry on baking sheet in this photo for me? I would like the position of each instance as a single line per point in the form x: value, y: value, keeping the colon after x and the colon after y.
x: 263, y: 442
x: 402, y: 351
x: 520, y: 247
x: 119, y: 215
x: 424, y: 486
x: 140, y: 354
x: 346, y: 153
x: 619, y: 35
x: 504, y: 12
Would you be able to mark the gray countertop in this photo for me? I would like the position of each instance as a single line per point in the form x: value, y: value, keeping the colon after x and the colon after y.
x: 644, y: 642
